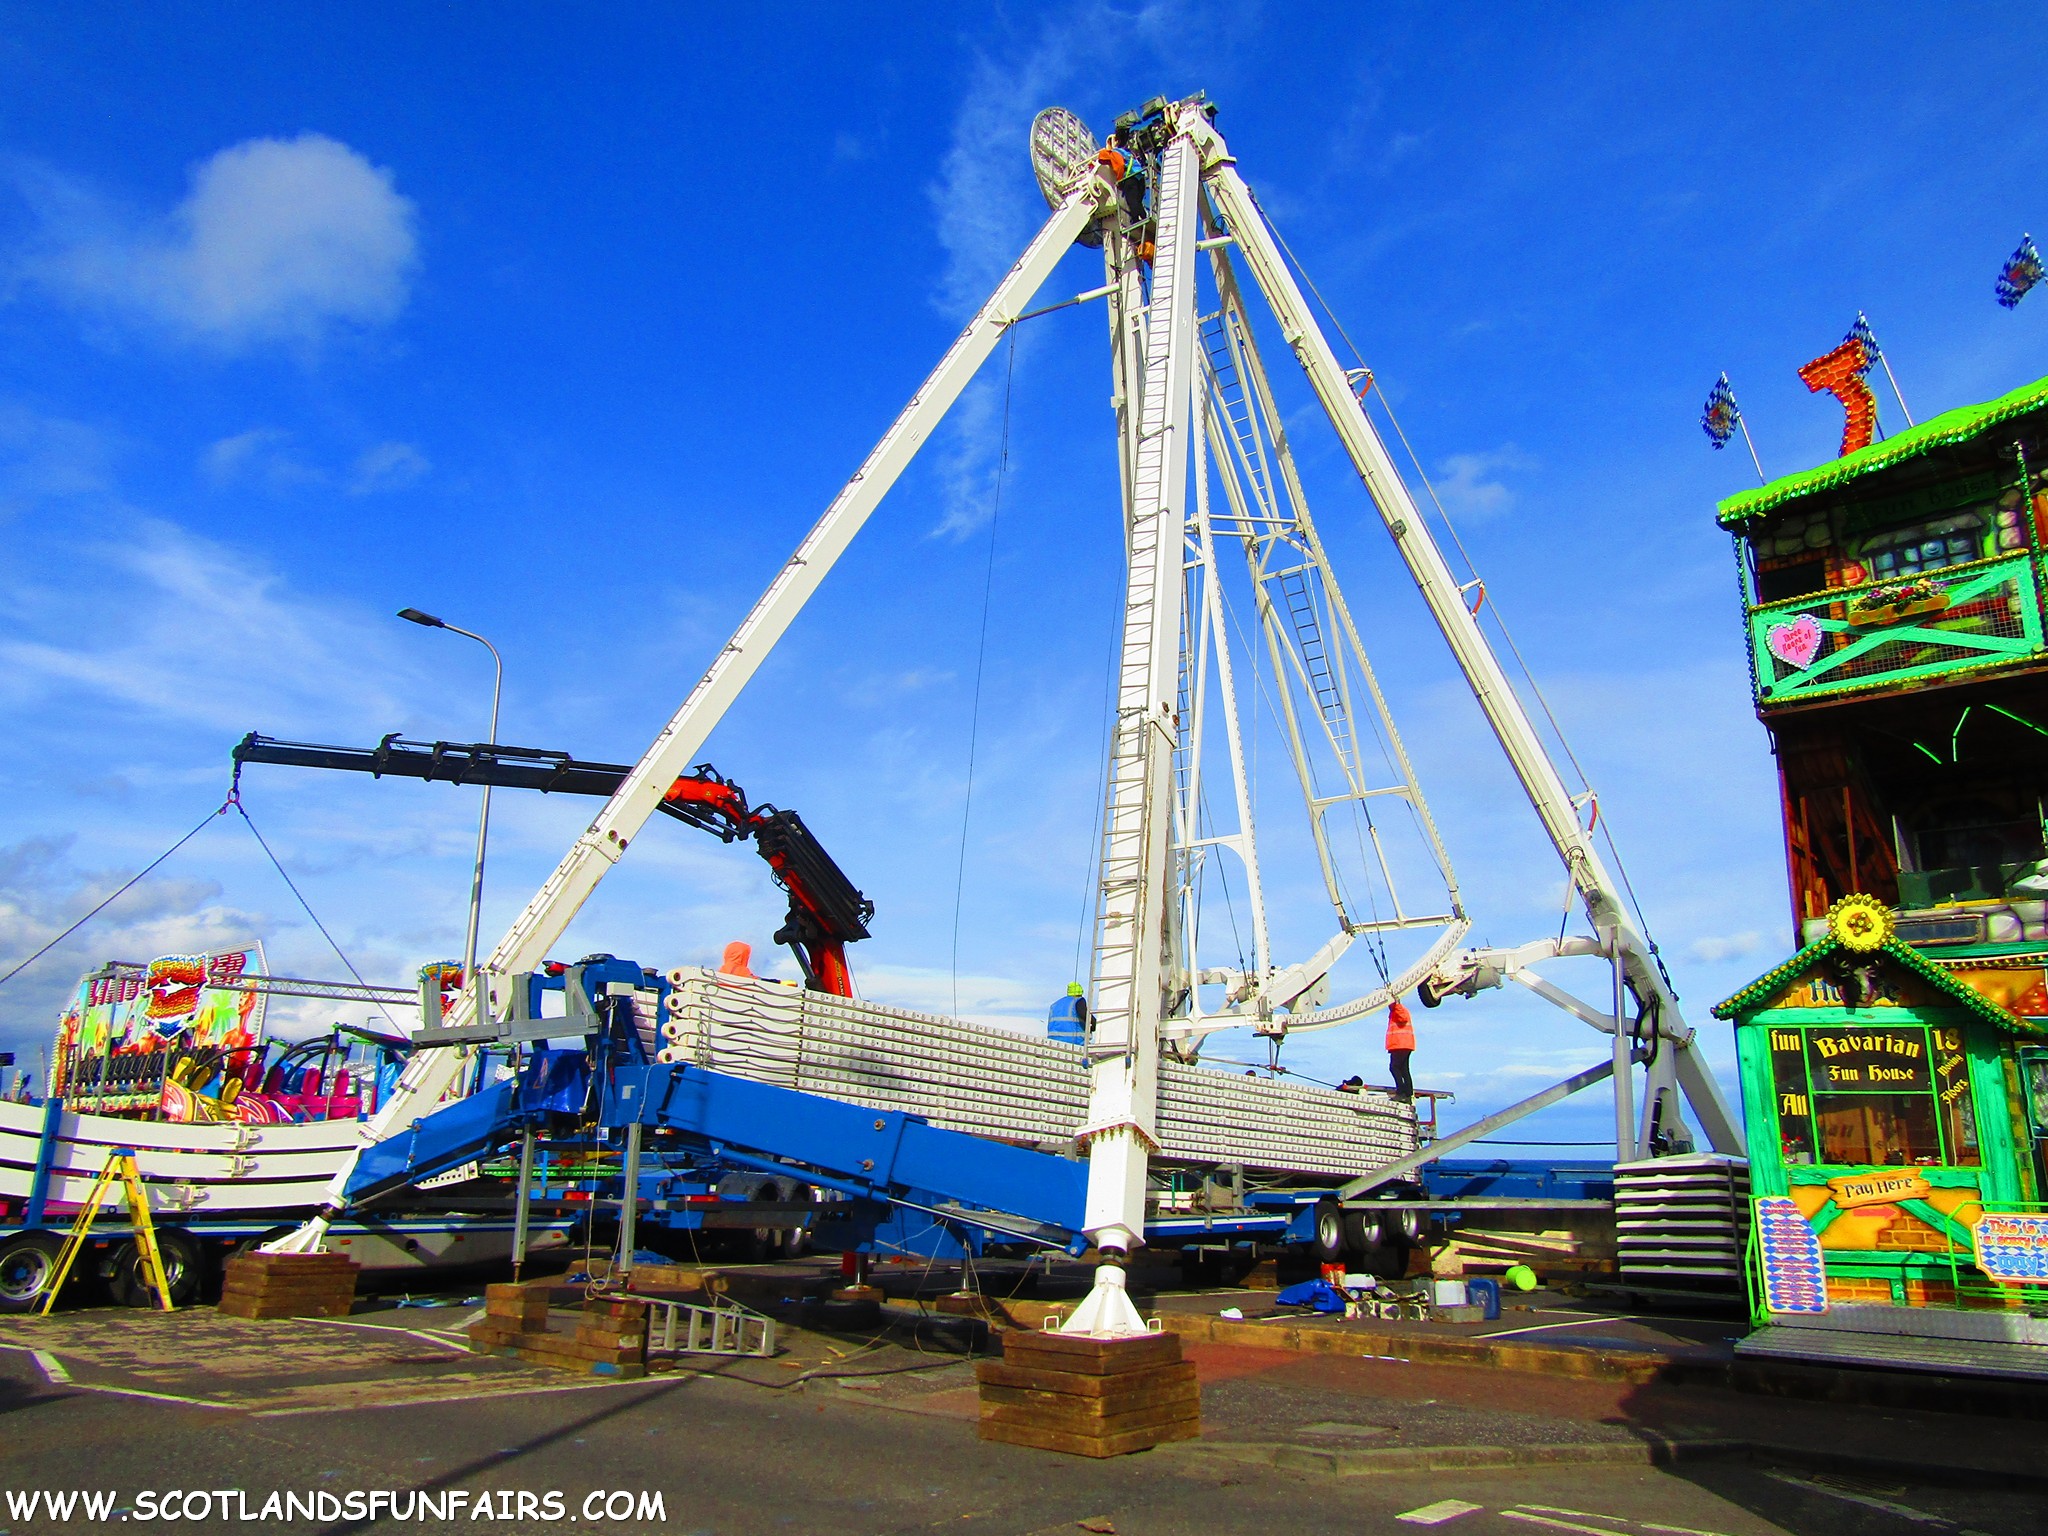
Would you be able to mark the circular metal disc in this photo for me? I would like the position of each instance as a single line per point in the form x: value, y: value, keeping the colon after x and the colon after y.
x: 1062, y: 151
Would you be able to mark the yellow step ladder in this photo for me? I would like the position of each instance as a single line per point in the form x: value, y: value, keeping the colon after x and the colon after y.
x: 120, y: 1165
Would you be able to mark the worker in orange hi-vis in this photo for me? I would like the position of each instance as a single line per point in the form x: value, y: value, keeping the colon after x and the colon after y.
x: 737, y: 955
x: 1400, y: 1046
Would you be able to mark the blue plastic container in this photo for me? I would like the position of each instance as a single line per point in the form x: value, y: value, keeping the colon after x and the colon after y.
x: 1485, y: 1292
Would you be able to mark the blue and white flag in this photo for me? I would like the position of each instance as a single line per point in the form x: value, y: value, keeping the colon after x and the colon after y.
x: 1721, y: 416
x: 1861, y: 332
x: 2021, y: 271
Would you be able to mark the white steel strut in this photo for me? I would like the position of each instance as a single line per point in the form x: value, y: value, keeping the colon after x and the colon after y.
x: 1511, y: 725
x: 1134, y: 902
x: 432, y: 1073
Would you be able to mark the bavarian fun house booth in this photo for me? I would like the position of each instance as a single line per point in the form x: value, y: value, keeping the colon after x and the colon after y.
x: 1895, y: 1069
x: 1887, y: 1099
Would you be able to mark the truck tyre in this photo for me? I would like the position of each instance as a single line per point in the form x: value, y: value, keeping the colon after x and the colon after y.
x: 184, y: 1269
x: 796, y: 1241
x: 28, y: 1265
x: 1329, y: 1232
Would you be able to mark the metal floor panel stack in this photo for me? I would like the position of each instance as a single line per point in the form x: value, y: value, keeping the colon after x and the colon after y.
x: 1681, y: 1222
x: 992, y: 1082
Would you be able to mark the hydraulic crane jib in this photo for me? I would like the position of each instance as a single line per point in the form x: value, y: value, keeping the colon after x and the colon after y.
x: 826, y: 910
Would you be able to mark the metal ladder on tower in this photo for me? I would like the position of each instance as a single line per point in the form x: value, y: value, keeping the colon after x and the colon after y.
x: 1298, y: 597
x: 1221, y: 357
x: 120, y: 1165
x: 1131, y: 833
x: 1219, y: 348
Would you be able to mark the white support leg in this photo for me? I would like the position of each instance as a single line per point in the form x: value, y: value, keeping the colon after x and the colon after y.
x: 1132, y: 932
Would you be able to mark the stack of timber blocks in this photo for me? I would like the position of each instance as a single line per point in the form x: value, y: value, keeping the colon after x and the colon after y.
x: 1089, y: 1397
x: 610, y: 1338
x: 265, y: 1285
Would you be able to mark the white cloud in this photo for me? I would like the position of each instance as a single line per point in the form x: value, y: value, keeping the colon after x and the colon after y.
x: 265, y: 457
x: 278, y: 240
x: 48, y: 457
x: 387, y: 467
x: 998, y: 1000
x: 1469, y: 484
x: 205, y: 637
x: 260, y: 456
x: 1713, y: 949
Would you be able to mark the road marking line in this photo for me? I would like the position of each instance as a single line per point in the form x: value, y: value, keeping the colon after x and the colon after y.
x: 1903, y: 1511
x: 52, y: 1368
x: 155, y: 1397
x: 414, y: 1333
x: 466, y: 1397
x: 1577, y: 1322
x: 1439, y: 1512
x: 1588, y: 1514
x: 1583, y: 1514
x: 1562, y: 1525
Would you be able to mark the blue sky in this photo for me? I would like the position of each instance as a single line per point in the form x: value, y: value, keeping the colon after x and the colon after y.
x: 565, y: 325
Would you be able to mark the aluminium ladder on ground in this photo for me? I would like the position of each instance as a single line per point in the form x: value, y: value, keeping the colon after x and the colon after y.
x: 120, y: 1165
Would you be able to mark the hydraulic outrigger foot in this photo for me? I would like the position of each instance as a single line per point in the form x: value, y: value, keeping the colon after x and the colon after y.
x: 1107, y: 1312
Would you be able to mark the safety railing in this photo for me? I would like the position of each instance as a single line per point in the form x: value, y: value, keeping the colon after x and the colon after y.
x: 1976, y: 1255
x: 1986, y: 613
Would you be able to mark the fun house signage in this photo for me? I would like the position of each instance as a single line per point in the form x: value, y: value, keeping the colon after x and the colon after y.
x: 1867, y: 1060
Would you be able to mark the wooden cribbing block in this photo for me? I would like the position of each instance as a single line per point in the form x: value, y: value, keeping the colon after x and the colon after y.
x: 268, y: 1285
x: 610, y: 1337
x: 1088, y: 1356
x: 1087, y: 1396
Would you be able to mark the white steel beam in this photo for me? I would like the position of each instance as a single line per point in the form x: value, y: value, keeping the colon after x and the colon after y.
x: 1131, y: 932
x: 1439, y: 588
x: 432, y: 1073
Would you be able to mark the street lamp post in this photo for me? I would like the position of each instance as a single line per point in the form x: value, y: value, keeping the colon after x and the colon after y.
x: 483, y: 824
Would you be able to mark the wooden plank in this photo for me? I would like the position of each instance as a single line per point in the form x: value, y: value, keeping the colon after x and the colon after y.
x: 335, y: 1289
x: 258, y: 1310
x: 292, y: 1263
x: 536, y: 1314
x: 563, y: 1346
x: 1088, y: 1445
x: 1093, y: 1357
x: 1090, y: 1408
x: 1106, y: 1426
x: 1002, y: 1373
x: 247, y: 1287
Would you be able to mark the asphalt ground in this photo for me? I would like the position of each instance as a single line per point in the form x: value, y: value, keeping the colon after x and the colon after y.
x: 872, y: 1430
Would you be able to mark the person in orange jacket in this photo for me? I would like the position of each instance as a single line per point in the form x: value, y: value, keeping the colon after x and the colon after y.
x: 738, y: 954
x: 1127, y: 173
x: 1400, y: 1046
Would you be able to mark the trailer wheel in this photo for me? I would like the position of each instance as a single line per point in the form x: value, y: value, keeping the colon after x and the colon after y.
x: 1375, y: 1243
x: 796, y: 1241
x: 184, y: 1268
x: 1329, y: 1232
x: 28, y: 1264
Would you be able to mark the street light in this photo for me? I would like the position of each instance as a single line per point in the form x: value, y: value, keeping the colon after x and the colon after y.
x: 483, y: 825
